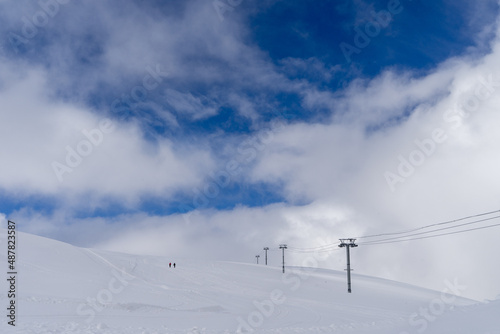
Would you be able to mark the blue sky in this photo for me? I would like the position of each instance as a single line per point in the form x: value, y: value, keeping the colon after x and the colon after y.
x: 240, y: 123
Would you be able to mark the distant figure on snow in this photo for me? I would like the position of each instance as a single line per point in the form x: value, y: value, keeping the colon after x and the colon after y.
x: 170, y: 265
x: 174, y: 264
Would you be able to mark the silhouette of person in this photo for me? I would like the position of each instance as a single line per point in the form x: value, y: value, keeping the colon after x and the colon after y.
x: 170, y: 265
x: 174, y: 264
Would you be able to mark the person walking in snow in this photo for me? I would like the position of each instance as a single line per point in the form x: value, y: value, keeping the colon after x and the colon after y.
x: 170, y: 265
x: 174, y: 264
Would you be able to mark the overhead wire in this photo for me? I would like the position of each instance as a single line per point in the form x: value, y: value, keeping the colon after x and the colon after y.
x: 432, y: 236
x: 431, y: 231
x: 407, y: 234
x: 428, y: 226
x: 321, y: 250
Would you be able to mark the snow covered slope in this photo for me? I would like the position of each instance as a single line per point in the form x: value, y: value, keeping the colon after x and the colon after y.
x: 66, y: 289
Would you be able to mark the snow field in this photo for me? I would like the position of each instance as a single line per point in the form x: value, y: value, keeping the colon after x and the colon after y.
x: 66, y: 289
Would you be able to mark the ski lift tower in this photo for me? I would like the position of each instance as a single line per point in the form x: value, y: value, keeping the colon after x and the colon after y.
x: 348, y: 243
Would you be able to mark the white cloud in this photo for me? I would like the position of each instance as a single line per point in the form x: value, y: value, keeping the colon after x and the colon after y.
x: 189, y: 104
x: 119, y: 163
x: 208, y: 234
